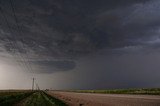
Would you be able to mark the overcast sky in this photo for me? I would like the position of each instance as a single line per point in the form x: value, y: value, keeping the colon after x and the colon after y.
x: 80, y: 44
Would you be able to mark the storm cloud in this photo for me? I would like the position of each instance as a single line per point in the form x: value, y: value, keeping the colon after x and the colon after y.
x: 84, y: 36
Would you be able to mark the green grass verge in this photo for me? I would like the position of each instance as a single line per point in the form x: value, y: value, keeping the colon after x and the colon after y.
x: 10, y: 99
x: 42, y: 99
x: 56, y: 101
x: 37, y: 99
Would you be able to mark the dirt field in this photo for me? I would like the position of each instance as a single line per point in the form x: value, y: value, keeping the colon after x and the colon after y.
x: 88, y: 99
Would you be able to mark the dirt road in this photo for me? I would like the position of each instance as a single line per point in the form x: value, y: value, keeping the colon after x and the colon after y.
x: 88, y: 99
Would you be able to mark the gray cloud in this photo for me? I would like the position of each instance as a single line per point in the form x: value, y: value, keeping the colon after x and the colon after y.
x: 53, y: 66
x: 71, y: 28
x: 58, y: 35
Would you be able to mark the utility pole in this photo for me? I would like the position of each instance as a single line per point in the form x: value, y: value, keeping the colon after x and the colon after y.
x: 33, y: 84
x: 37, y: 87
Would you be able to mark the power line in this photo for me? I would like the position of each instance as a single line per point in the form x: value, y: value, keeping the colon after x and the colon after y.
x: 10, y: 29
x: 15, y: 44
x: 20, y: 33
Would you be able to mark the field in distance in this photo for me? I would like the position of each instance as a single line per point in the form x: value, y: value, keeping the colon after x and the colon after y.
x: 145, y: 91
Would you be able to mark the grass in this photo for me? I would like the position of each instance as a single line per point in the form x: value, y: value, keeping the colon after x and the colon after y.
x: 37, y: 99
x: 28, y: 98
x: 42, y: 99
x: 144, y: 91
x: 10, y: 98
x: 56, y: 101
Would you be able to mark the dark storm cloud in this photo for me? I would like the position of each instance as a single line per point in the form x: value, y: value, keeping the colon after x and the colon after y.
x: 53, y: 66
x: 76, y: 28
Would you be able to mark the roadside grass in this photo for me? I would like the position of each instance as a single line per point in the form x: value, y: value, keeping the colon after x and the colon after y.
x: 8, y: 99
x: 144, y: 91
x: 56, y: 101
x: 37, y: 99
x: 11, y: 92
x: 42, y: 99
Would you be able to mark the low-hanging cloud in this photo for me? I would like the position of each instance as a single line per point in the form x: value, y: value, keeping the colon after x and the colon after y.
x: 53, y: 66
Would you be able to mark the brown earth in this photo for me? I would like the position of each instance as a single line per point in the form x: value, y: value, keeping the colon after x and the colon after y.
x: 88, y: 99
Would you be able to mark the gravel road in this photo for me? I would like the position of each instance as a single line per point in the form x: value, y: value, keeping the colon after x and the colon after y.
x: 88, y: 99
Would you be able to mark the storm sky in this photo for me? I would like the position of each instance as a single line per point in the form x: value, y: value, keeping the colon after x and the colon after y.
x: 80, y: 44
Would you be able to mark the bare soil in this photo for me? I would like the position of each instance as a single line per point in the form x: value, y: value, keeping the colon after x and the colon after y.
x: 89, y: 99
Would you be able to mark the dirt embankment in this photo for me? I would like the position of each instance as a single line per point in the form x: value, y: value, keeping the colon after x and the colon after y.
x: 88, y: 99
